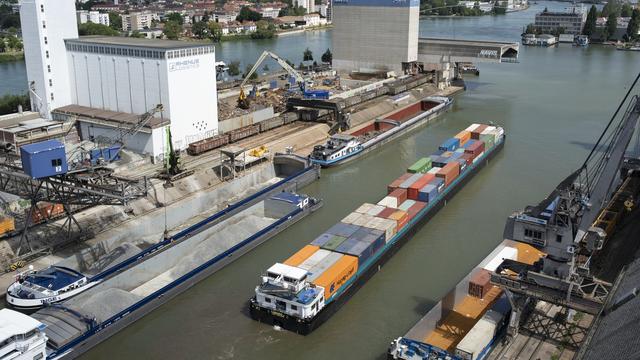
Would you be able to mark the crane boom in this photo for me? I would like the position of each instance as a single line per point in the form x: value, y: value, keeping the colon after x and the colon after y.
x: 283, y: 63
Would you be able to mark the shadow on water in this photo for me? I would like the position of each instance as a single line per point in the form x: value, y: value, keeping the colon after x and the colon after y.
x: 587, y: 145
x: 423, y: 304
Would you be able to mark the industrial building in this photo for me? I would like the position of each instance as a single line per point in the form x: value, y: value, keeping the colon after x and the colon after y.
x: 572, y: 22
x: 118, y: 77
x: 374, y: 35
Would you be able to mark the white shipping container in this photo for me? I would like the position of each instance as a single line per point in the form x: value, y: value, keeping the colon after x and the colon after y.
x: 363, y: 220
x: 351, y: 218
x: 386, y: 225
x: 389, y: 201
x: 323, y: 265
x: 476, y: 340
x: 364, y: 208
x: 434, y: 170
x: 472, y: 127
x: 314, y: 259
x: 375, y: 210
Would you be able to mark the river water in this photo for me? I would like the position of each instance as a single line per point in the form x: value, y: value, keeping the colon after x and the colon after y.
x: 553, y: 105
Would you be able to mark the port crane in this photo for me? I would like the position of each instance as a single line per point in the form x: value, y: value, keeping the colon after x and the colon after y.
x: 562, y: 226
x: 243, y: 101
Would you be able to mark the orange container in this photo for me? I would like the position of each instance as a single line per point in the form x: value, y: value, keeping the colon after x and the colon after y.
x: 302, y: 255
x: 335, y: 276
x: 401, y: 217
x: 7, y: 224
x: 475, y: 134
x: 414, y: 189
x: 463, y: 136
x: 449, y: 172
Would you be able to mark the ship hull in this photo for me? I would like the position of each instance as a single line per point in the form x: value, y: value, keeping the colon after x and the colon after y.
x: 305, y: 327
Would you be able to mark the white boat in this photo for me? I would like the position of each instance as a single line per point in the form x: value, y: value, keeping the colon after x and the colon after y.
x: 35, y: 289
x: 21, y: 337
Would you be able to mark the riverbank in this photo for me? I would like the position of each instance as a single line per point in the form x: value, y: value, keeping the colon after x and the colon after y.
x: 11, y: 56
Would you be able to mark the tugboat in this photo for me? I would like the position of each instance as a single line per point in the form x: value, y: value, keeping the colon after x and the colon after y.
x: 344, y: 147
x: 35, y: 289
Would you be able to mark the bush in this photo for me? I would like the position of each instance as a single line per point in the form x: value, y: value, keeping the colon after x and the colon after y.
x: 9, y: 103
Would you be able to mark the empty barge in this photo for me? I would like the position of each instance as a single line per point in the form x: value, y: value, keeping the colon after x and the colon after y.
x: 303, y: 291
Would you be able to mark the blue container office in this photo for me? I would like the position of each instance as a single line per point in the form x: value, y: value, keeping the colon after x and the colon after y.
x: 44, y: 159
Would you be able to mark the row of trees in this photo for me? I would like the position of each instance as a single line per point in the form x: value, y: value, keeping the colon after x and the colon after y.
x: 612, y: 10
x: 10, y: 43
x: 8, y: 20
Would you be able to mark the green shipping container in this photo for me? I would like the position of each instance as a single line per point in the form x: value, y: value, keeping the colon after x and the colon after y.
x: 488, y: 139
x: 334, y: 242
x: 421, y: 166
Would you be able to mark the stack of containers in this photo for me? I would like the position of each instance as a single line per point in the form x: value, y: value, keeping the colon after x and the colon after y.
x: 363, y: 244
x: 396, y: 183
x: 335, y: 233
x: 463, y: 136
x: 415, y: 209
x: 401, y: 217
x: 449, y: 172
x: 475, y: 149
x: 450, y: 145
x: 302, y: 254
x: 386, y: 225
x: 406, y: 205
x: 414, y: 189
x: 475, y: 133
x: 421, y: 166
x: 394, y: 199
x: 335, y: 275
x: 364, y: 208
x: 319, y: 262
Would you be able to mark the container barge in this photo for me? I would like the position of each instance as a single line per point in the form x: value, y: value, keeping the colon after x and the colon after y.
x: 466, y: 323
x: 77, y: 324
x: 341, y: 148
x: 302, y: 292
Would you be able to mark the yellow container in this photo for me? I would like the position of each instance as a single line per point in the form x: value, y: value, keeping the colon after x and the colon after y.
x: 335, y: 276
x: 302, y: 255
x: 463, y: 136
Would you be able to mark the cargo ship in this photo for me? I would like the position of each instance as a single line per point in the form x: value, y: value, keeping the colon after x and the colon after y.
x: 302, y: 292
x: 344, y: 147
x: 466, y: 323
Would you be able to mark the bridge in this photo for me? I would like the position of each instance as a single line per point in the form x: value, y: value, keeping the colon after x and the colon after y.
x: 433, y: 50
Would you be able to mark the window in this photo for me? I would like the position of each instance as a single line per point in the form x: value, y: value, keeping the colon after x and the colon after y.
x: 48, y: 68
x: 50, y: 82
x: 38, y: 356
x: 41, y: 8
x: 533, y: 234
x: 44, y: 24
x: 558, y: 238
x: 51, y: 96
x: 267, y: 300
x: 294, y: 307
x: 56, y: 162
x: 45, y: 40
x: 47, y: 53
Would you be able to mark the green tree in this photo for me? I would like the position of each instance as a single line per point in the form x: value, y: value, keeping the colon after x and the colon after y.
x: 90, y: 28
x: 215, y: 31
x: 264, y: 30
x: 626, y: 10
x: 611, y: 7
x: 247, y: 14
x: 307, y: 55
x: 246, y: 72
x: 177, y: 17
x: 292, y: 10
x: 200, y: 30
x: 7, y: 18
x: 137, y: 34
x: 500, y: 8
x: 3, y: 45
x: 14, y: 43
x: 590, y: 25
x: 115, y: 21
x: 327, y: 57
x: 611, y: 26
x: 234, y: 68
x: 634, y: 25
x: 172, y: 30
x: 9, y: 103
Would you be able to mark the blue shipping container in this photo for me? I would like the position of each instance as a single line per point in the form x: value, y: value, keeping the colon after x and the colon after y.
x: 450, y: 144
x: 428, y: 193
x: 438, y: 182
x: 322, y: 239
x: 342, y: 229
x: 469, y: 143
x: 44, y: 159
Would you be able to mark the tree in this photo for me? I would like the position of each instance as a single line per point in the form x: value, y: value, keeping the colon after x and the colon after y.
x: 3, y: 45
x: 14, y: 43
x: 137, y: 34
x: 292, y: 10
x: 247, y: 14
x: 246, y: 72
x: 172, y: 30
x: 115, y: 21
x: 327, y: 57
x: 9, y: 103
x: 215, y: 31
x: 177, y: 17
x: 590, y: 25
x: 200, y: 30
x: 611, y: 26
x: 264, y: 30
x: 500, y: 8
x: 626, y: 10
x: 234, y: 68
x: 611, y: 7
x: 634, y: 25
x: 307, y: 55
x: 90, y: 28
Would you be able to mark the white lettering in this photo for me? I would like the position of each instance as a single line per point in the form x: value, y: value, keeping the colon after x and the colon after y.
x: 184, y: 64
x: 489, y: 53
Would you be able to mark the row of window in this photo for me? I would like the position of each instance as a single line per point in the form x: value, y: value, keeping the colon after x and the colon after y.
x: 133, y: 52
x: 190, y: 52
x: 281, y: 304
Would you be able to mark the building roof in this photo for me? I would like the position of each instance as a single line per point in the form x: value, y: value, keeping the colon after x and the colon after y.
x: 616, y: 336
x: 42, y: 146
x: 139, y: 42
x: 115, y: 118
x: 14, y: 323
x: 287, y: 270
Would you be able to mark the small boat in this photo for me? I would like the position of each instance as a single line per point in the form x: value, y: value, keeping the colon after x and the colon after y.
x: 628, y: 48
x: 581, y: 40
x: 344, y: 147
x: 35, y: 289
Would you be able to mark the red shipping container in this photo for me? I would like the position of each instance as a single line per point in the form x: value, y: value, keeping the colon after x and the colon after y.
x: 396, y: 183
x: 480, y: 283
x: 400, y: 194
x: 414, y: 189
x: 449, y: 172
x: 475, y: 134
x: 386, y: 212
x: 475, y: 149
x: 415, y: 209
x: 468, y: 158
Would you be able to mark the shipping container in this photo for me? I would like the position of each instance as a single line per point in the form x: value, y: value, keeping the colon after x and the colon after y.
x: 475, y: 149
x: 199, y: 147
x: 364, y: 208
x: 428, y: 193
x: 438, y: 183
x: 463, y: 136
x: 400, y: 194
x: 413, y: 178
x: 302, y: 255
x: 386, y: 212
x: 388, y: 202
x: 363, y: 220
x: 475, y: 134
x: 480, y: 283
x: 351, y: 218
x: 363, y: 244
x: 401, y: 217
x: 375, y: 210
x: 479, y: 337
x: 415, y: 209
x: 321, y: 240
x: 290, y: 117
x: 406, y: 205
x: 334, y: 242
x: 468, y: 158
x: 488, y: 140
x: 272, y: 123
x: 421, y: 166
x: 414, y: 190
x: 336, y: 275
x: 449, y: 172
x: 396, y: 183
x: 45, y: 211
x: 386, y: 225
x: 44, y: 159
x: 342, y: 229
x: 326, y: 263
x: 434, y: 170
x: 472, y: 127
x: 7, y: 225
x: 450, y: 144
x: 314, y: 259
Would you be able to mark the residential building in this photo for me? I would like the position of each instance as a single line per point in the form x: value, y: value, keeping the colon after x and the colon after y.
x: 329, y: 15
x: 269, y: 12
x: 309, y: 5
x: 138, y: 21
x: 571, y: 22
x: 311, y: 19
x: 224, y: 16
x: 84, y: 16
